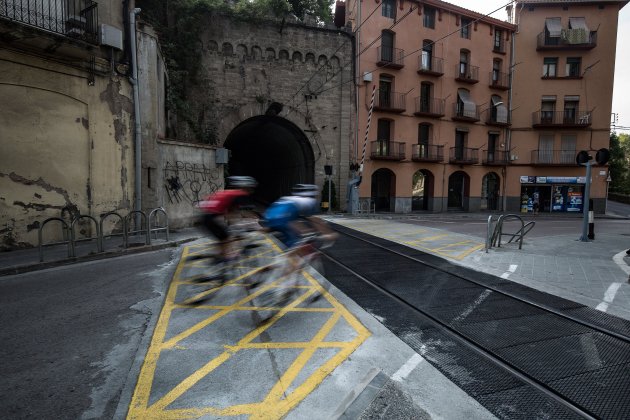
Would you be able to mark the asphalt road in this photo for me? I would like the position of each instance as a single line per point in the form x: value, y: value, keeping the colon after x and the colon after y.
x: 70, y: 334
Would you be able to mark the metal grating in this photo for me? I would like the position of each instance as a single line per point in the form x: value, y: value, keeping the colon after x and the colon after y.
x: 595, y: 317
x: 517, y: 331
x: 538, y: 296
x: 480, y: 310
x: 606, y: 392
x: 567, y: 356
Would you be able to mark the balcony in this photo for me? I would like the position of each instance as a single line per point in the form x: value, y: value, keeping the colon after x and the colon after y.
x: 468, y: 74
x: 76, y: 19
x: 465, y: 114
x: 387, y: 101
x: 463, y: 156
x: 569, y: 39
x: 499, y: 80
x: 431, y: 67
x: 392, y: 58
x: 387, y: 150
x: 554, y: 157
x: 495, y: 118
x: 499, y: 49
x: 432, y: 108
x: 496, y: 157
x: 561, y: 119
x: 427, y: 153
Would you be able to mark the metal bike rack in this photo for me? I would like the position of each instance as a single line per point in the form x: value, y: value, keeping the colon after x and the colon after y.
x: 145, y: 231
x: 495, y: 231
x: 124, y: 229
x: 156, y: 227
x: 89, y: 238
x: 366, y: 206
x: 65, y: 231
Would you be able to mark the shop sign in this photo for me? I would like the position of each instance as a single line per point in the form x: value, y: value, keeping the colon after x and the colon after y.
x: 553, y: 179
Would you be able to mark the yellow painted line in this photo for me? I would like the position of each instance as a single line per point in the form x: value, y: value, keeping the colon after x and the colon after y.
x: 276, y: 404
x: 434, y: 237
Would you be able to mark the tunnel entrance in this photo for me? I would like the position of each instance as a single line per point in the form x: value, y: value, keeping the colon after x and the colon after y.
x: 274, y: 151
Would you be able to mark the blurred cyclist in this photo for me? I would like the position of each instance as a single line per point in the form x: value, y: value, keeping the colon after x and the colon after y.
x: 222, y: 207
x: 292, y: 216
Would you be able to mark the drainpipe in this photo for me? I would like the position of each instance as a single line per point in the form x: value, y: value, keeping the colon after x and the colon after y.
x: 508, y: 140
x: 136, y: 103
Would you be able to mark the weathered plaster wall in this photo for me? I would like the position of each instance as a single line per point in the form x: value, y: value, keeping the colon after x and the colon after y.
x: 66, y: 146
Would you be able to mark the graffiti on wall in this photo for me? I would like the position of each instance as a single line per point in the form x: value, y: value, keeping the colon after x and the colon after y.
x: 190, y: 182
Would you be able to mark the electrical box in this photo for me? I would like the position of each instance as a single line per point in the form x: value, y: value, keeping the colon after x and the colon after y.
x: 222, y: 156
x: 111, y: 36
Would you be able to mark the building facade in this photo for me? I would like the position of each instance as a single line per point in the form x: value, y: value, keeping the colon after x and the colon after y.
x: 456, y: 96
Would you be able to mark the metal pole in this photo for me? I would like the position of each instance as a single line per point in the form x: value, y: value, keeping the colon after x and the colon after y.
x: 136, y: 103
x: 585, y: 202
x: 329, y: 193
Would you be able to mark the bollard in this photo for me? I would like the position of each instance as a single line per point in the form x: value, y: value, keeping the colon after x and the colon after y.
x: 591, y: 225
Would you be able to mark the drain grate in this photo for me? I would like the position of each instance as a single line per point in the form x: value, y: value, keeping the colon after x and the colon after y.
x: 482, y: 309
x: 595, y: 317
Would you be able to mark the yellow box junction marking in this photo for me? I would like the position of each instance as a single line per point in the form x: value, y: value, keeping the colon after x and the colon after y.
x: 279, y: 401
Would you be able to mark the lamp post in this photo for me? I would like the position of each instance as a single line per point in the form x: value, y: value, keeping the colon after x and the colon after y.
x: 328, y: 172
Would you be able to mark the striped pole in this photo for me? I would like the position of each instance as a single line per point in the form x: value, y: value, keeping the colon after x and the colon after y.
x: 367, y: 129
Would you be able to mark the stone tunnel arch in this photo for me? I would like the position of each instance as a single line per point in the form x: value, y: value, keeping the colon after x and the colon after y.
x: 273, y: 150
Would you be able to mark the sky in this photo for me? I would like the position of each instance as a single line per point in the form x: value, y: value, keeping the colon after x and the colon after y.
x: 621, y: 101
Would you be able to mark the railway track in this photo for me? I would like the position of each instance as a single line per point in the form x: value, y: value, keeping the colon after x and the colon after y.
x: 520, y: 352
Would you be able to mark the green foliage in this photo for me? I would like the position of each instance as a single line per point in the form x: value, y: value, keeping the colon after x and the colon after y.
x: 619, y: 161
x: 333, y: 195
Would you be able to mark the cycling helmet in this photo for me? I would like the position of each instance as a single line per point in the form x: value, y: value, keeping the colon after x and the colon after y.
x: 305, y: 190
x: 241, y: 182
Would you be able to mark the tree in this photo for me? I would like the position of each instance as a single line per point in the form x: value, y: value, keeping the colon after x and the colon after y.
x: 618, y: 164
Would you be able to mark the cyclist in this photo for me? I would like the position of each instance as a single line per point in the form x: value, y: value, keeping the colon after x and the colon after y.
x: 223, y: 207
x: 292, y: 216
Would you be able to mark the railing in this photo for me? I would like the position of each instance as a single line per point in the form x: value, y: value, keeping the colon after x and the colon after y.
x: 578, y: 39
x: 433, y: 66
x: 72, y: 18
x: 569, y: 119
x: 427, y: 153
x: 554, y: 157
x: 70, y: 237
x: 389, y: 150
x: 390, y: 101
x: 460, y: 113
x: 429, y: 107
x: 500, y: 49
x: 469, y: 74
x: 495, y: 157
x: 390, y: 57
x: 492, y: 118
x: 464, y: 155
x: 366, y: 205
x: 499, y: 80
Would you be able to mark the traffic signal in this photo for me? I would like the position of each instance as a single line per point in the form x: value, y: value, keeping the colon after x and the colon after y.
x: 602, y: 156
x: 582, y: 157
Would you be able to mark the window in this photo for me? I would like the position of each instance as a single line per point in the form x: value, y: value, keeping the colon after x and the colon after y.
x: 550, y: 65
x: 427, y: 54
x: 547, y: 110
x: 496, y: 71
x: 389, y: 9
x: 568, y: 147
x: 571, y: 104
x: 545, y: 148
x: 493, y: 140
x: 553, y: 29
x: 385, y: 90
x: 428, y: 19
x: 424, y: 139
x: 465, y: 106
x: 464, y: 32
x: 499, y: 112
x: 498, y: 40
x: 387, y: 46
x: 384, y: 134
x: 461, y: 138
x: 464, y: 60
x: 573, y: 66
x: 425, y: 97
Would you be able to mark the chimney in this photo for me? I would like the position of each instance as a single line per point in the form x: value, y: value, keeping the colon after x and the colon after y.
x: 340, y: 14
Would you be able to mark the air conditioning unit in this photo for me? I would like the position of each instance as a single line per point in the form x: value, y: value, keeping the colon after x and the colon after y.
x: 75, y: 25
x: 513, y: 157
x: 111, y: 36
x: 367, y: 76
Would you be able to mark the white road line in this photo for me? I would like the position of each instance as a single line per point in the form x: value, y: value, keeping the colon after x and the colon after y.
x: 618, y: 259
x: 472, y: 307
x: 510, y: 270
x: 407, y: 368
x: 609, y: 296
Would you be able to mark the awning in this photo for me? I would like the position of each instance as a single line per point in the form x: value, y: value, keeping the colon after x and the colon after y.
x: 572, y: 98
x: 549, y: 98
x: 470, y: 108
x: 554, y: 26
x: 502, y: 111
x: 578, y: 23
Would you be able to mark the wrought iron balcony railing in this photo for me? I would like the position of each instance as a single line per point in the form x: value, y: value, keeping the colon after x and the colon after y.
x: 433, y: 66
x: 467, y: 74
x: 499, y: 80
x: 464, y: 155
x: 387, y: 150
x: 427, y: 153
x: 72, y: 18
x: 569, y: 39
x: 429, y: 107
x: 461, y: 113
x: 492, y: 116
x: 566, y: 119
x: 390, y: 101
x: 554, y: 157
x: 392, y: 58
x: 495, y: 157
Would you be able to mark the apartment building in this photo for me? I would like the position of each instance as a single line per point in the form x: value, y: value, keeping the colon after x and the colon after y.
x: 450, y: 129
x: 562, y: 97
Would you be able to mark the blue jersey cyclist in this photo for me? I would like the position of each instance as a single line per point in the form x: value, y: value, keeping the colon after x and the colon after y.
x: 292, y: 216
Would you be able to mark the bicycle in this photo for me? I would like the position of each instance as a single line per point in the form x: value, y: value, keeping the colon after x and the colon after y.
x: 278, y: 283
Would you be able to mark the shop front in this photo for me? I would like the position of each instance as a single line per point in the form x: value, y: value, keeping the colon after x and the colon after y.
x: 547, y: 194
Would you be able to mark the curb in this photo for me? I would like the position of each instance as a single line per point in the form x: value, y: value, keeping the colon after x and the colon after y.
x: 7, y: 271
